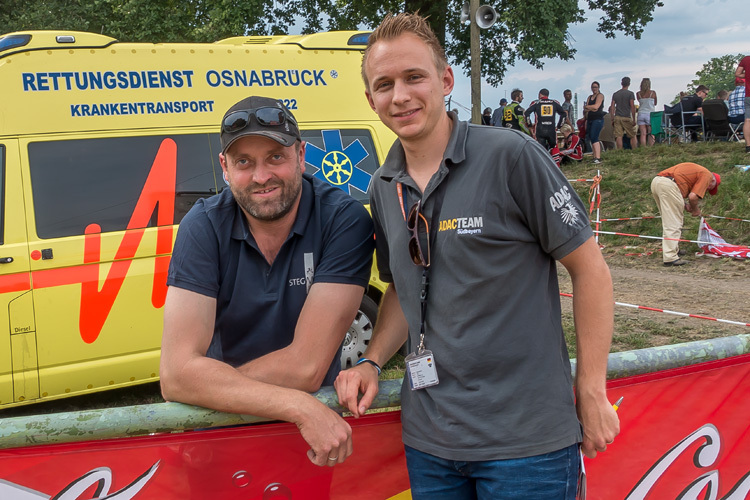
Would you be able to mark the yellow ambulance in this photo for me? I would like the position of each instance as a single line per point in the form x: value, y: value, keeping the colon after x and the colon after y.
x: 104, y: 147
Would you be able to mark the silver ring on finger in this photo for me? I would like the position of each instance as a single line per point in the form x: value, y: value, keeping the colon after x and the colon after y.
x: 333, y: 459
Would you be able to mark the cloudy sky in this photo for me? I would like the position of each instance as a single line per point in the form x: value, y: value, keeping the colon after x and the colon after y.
x: 683, y: 36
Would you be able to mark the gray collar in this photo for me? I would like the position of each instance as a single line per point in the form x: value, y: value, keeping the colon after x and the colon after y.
x: 394, y: 167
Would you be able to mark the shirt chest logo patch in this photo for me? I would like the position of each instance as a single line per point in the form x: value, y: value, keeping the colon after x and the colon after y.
x: 560, y: 202
x: 462, y: 225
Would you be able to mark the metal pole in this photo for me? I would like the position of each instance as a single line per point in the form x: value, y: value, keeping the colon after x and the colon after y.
x: 476, y: 88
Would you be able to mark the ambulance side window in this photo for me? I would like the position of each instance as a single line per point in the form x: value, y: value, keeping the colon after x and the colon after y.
x: 344, y: 158
x: 2, y: 194
x: 76, y: 183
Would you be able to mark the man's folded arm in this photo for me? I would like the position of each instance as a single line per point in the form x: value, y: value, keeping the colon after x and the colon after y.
x: 188, y: 376
x: 327, y: 314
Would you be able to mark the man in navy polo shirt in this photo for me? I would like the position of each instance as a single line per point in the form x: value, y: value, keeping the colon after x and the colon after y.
x: 265, y: 279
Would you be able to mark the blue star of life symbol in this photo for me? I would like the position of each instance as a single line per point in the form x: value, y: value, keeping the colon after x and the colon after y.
x: 338, y: 165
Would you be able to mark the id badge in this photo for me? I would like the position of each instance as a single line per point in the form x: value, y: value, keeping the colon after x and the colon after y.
x: 581, y: 493
x: 421, y: 369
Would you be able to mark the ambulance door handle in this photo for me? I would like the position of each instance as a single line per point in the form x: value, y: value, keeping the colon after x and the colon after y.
x: 6, y: 260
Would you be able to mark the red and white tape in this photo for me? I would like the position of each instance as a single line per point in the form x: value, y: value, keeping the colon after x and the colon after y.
x: 659, y: 238
x: 727, y: 218
x: 627, y: 218
x: 676, y: 313
x: 659, y: 217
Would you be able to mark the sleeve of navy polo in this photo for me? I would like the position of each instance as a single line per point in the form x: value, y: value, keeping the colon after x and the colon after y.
x: 347, y: 251
x: 195, y: 257
x: 553, y: 211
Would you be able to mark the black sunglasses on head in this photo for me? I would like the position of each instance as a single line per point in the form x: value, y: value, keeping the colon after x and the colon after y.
x: 267, y: 116
x: 412, y: 224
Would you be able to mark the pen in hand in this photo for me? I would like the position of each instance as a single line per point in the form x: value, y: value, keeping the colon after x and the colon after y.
x: 616, y: 406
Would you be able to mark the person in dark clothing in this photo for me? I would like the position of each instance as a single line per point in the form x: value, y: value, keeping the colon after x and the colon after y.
x: 544, y: 110
x: 693, y: 103
x: 487, y: 116
x: 594, y: 111
x: 513, y: 113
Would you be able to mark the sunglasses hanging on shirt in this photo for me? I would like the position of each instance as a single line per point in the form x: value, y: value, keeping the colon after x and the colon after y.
x: 420, y: 365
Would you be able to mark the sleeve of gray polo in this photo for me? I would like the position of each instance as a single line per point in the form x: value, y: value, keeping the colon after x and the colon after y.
x: 381, y: 243
x: 553, y: 211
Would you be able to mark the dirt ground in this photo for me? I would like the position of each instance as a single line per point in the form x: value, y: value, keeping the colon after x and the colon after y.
x: 717, y: 288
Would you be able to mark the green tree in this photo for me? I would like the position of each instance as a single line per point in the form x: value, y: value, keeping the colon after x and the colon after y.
x: 529, y: 30
x: 717, y: 74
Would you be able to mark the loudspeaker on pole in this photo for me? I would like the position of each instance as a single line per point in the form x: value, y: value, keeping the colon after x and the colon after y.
x: 486, y: 16
x: 465, y: 13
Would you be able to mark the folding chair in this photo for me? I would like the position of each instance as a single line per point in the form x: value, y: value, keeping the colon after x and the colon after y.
x: 716, y: 116
x: 688, y: 128
x: 672, y: 123
x: 657, y: 126
x: 683, y: 120
x: 662, y: 129
x: 736, y: 131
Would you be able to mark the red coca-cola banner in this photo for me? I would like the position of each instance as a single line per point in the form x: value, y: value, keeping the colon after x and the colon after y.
x: 263, y: 462
x: 685, y: 434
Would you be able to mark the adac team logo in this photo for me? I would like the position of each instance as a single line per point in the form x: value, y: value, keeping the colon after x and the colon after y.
x: 338, y: 165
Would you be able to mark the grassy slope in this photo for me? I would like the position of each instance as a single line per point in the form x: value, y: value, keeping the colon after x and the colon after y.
x: 626, y: 181
x: 625, y: 192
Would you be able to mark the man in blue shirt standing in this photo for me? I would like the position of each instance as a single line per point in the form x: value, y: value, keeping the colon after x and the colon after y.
x: 497, y: 115
x: 265, y: 279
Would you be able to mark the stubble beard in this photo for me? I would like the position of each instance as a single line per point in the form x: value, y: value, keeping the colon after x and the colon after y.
x: 270, y: 210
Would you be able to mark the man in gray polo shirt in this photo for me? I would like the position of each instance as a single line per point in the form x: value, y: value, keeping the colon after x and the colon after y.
x: 469, y: 222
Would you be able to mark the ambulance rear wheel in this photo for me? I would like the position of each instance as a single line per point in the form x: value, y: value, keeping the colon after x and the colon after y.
x: 359, y: 334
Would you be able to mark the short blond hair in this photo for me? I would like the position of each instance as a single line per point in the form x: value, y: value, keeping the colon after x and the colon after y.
x: 566, y: 129
x: 393, y: 26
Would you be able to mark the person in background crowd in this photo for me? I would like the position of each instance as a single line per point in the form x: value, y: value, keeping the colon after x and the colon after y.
x: 622, y: 110
x: 594, y: 110
x: 567, y: 105
x: 544, y: 110
x: 737, y: 102
x: 670, y: 188
x: 742, y: 72
x: 581, y: 126
x: 646, y: 105
x: 724, y: 96
x: 513, y: 113
x: 572, y: 147
x: 487, y: 116
x: 692, y: 107
x: 497, y: 115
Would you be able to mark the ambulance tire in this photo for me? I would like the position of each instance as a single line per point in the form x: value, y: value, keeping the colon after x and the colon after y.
x: 358, y: 336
